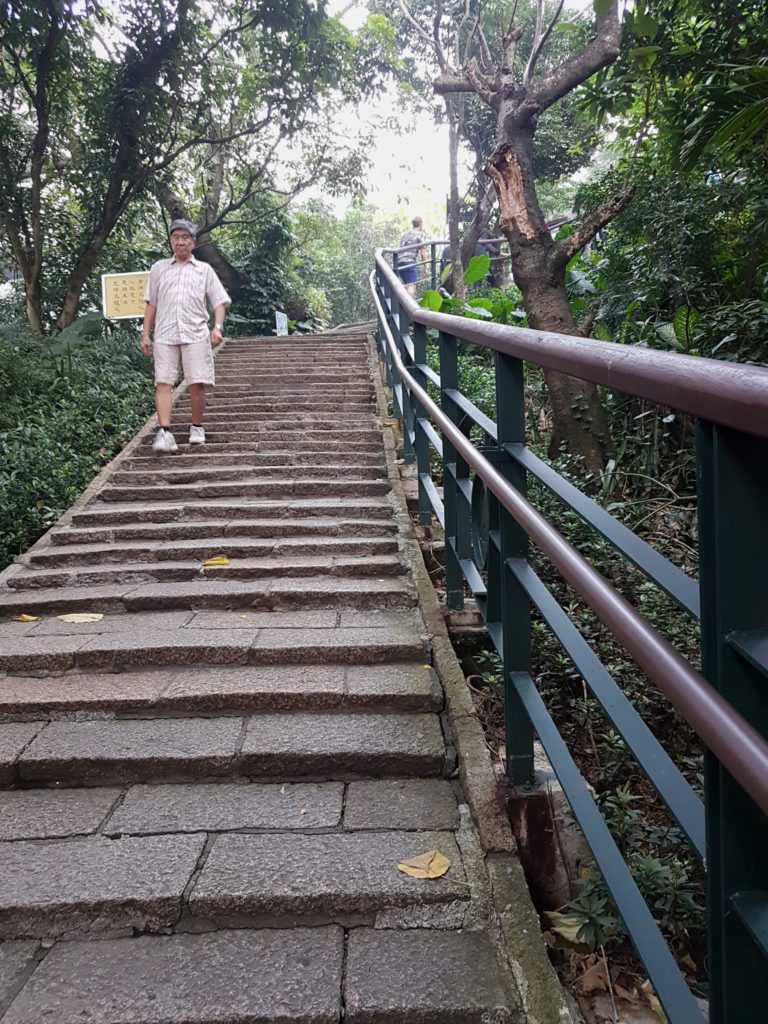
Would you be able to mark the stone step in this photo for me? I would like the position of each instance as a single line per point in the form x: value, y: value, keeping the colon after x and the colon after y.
x: 267, y: 444
x: 178, y: 471
x: 312, y: 592
x: 225, y: 528
x: 256, y: 486
x: 258, y: 460
x: 269, y: 976
x: 249, y: 569
x: 118, y: 648
x: 198, y: 691
x: 328, y: 745
x: 202, y: 549
x: 297, y: 509
x: 246, y: 410
x: 345, y: 879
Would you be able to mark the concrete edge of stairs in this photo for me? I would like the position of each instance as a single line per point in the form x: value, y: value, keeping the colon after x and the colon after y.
x: 519, y: 930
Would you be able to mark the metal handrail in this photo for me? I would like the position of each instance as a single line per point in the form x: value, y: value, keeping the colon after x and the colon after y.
x: 736, y: 744
x: 734, y: 396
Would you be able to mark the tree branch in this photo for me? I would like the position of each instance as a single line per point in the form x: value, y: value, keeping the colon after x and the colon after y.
x: 448, y: 83
x: 586, y: 231
x: 538, y: 47
x: 599, y: 53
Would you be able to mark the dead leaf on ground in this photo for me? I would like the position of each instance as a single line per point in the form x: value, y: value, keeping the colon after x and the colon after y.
x: 622, y: 993
x: 427, y: 865
x: 217, y: 560
x: 565, y: 928
x: 653, y: 1002
x: 594, y: 979
x: 26, y: 618
x: 81, y: 617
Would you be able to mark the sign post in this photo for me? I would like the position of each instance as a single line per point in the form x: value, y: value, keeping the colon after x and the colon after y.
x: 122, y: 295
x: 281, y: 323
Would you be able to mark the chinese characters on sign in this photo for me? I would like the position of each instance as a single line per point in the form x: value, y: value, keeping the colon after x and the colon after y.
x: 122, y: 295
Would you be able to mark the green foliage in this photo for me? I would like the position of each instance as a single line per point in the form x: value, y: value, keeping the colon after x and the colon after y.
x: 65, y: 411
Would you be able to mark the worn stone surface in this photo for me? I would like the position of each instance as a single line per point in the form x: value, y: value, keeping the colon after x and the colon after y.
x: 17, y: 960
x: 265, y: 977
x: 61, y: 599
x: 328, y: 877
x: 167, y: 647
x: 66, y: 887
x: 257, y: 620
x: 14, y: 737
x: 131, y: 750
x: 197, y: 593
x: 48, y: 653
x: 254, y: 688
x: 227, y: 806
x: 338, y: 744
x: 401, y: 804
x: 105, y: 692
x: 433, y: 977
x: 286, y: 645
x: 53, y: 814
x: 411, y: 686
x: 132, y: 624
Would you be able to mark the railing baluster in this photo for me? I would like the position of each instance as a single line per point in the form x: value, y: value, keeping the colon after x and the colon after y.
x: 449, y: 380
x: 421, y: 440
x: 516, y: 609
x: 733, y: 542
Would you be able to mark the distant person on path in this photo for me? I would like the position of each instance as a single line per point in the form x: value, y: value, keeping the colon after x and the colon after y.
x: 175, y: 306
x: 407, y: 270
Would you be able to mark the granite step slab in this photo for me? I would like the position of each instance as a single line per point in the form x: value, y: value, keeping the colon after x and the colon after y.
x: 153, y: 646
x: 178, y: 511
x: 256, y: 486
x: 14, y: 738
x: 427, y: 977
x: 176, y: 472
x: 94, y: 885
x: 326, y: 526
x: 200, y: 550
x: 331, y: 878
x: 267, y: 976
x: 184, y: 571
x: 198, y: 690
x: 293, y: 592
x: 288, y: 745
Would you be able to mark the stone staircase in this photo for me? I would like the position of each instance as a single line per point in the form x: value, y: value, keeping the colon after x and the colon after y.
x: 206, y: 793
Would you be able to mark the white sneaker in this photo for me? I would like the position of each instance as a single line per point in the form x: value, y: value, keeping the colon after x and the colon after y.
x: 196, y: 435
x: 164, y: 442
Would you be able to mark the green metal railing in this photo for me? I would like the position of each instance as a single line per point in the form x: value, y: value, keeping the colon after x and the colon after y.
x: 489, y: 525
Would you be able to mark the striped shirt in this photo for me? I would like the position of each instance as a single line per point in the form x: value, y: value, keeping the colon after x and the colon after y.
x: 179, y: 290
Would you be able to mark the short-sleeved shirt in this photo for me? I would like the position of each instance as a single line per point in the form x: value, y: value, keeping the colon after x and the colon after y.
x: 179, y: 291
x: 414, y: 237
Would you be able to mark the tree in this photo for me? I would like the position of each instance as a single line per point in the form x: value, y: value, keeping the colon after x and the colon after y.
x: 538, y: 262
x: 204, y: 132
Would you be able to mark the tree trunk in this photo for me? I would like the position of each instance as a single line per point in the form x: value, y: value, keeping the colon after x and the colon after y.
x: 457, y: 266
x: 578, y: 418
x: 472, y: 235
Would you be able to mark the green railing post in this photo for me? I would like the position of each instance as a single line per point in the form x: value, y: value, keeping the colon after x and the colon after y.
x: 433, y: 252
x: 733, y: 543
x: 421, y: 441
x: 457, y: 536
x: 513, y: 543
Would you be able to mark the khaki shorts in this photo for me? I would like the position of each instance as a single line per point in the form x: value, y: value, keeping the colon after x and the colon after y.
x: 197, y: 360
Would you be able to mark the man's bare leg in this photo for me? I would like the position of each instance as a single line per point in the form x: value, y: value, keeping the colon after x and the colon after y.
x: 163, y: 405
x: 197, y: 402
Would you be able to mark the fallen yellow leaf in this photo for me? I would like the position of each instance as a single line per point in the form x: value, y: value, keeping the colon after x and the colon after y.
x: 81, y: 617
x: 565, y: 928
x: 218, y: 560
x: 427, y: 865
x: 26, y: 618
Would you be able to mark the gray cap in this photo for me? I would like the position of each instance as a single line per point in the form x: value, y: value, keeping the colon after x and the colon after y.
x: 183, y: 225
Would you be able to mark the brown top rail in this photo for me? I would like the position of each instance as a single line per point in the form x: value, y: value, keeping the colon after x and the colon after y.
x: 739, y: 747
x: 732, y: 395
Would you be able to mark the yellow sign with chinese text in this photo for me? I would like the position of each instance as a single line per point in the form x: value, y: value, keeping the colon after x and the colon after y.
x: 122, y: 295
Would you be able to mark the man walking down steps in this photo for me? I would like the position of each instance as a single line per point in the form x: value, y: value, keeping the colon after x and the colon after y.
x: 175, y: 307
x: 236, y: 771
